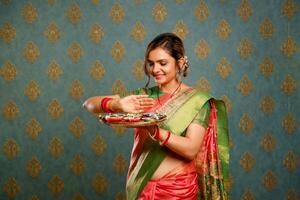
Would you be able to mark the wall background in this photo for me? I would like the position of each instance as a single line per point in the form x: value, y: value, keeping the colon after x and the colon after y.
x: 55, y: 54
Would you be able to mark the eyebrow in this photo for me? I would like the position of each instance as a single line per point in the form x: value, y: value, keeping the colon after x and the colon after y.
x: 160, y: 60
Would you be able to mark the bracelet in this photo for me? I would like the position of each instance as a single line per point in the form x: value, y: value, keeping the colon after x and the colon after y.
x: 166, y: 140
x: 104, y: 105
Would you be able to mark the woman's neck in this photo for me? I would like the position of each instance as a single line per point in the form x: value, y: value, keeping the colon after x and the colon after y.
x: 170, y: 88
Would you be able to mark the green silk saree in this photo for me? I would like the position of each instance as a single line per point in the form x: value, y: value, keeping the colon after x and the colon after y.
x: 181, y: 109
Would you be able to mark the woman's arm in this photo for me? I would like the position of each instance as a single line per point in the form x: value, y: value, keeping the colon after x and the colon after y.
x: 187, y: 146
x: 132, y: 103
x: 93, y: 104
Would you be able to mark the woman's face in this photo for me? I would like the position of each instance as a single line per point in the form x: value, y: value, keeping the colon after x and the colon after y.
x: 162, y: 67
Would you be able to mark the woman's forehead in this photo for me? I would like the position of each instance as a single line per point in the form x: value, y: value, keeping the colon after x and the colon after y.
x: 159, y: 54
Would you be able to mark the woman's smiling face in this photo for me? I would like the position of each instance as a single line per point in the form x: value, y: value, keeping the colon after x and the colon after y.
x: 162, y: 67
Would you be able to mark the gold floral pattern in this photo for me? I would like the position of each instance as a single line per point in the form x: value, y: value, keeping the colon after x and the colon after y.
x: 228, y: 103
x: 181, y: 30
x: 99, y: 183
x: 270, y: 181
x: 10, y: 110
x: 248, y: 195
x: 78, y: 196
x: 288, y: 85
x: 267, y: 104
x: 138, y: 70
x: 266, y: 28
x: 74, y: 13
x: 34, y: 167
x: 51, y: 2
x: 292, y: 195
x: 138, y: 1
x: 266, y: 67
x: 138, y: 32
x: 11, y: 149
x: 289, y: 123
x: 6, y: 2
x: 54, y: 71
x: 246, y: 123
x: 75, y: 52
x: 290, y: 161
x: 29, y: 13
x: 245, y: 10
x: 8, y: 71
x: 223, y: 30
x: 159, y: 12
x: 119, y: 88
x: 31, y: 52
x: 119, y: 130
x: 52, y: 32
x: 56, y: 185
x: 55, y: 147
x: 202, y: 11
x: 120, y: 196
x: 98, y: 145
x: 11, y: 188
x: 289, y: 47
x: 32, y: 90
x: 34, y: 197
x: 8, y: 33
x: 245, y: 85
x: 76, y: 90
x: 117, y: 13
x: 77, y: 127
x: 97, y: 70
x: 245, y: 48
x: 118, y: 51
x: 268, y: 142
x: 95, y: 2
x: 77, y: 165
x: 55, y: 109
x: 180, y: 1
x: 33, y: 128
x: 96, y: 33
x: 120, y: 164
x: 247, y: 161
x: 289, y: 8
x: 203, y: 85
x: 224, y: 68
x: 202, y: 49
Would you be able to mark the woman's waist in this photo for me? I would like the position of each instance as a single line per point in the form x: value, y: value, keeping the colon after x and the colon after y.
x: 172, y: 167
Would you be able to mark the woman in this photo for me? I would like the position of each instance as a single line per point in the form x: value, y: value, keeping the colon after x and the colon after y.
x: 186, y: 156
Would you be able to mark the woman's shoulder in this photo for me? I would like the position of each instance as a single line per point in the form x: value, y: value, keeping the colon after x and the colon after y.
x: 199, y: 92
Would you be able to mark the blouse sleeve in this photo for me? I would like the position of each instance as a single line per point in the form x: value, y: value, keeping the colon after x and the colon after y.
x: 202, y: 117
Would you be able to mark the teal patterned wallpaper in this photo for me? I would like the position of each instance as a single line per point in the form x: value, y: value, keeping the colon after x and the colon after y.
x: 55, y: 54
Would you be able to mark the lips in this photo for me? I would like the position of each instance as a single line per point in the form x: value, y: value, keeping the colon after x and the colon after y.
x: 158, y: 77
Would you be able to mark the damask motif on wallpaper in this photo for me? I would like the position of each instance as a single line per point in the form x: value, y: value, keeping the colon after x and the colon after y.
x: 55, y: 54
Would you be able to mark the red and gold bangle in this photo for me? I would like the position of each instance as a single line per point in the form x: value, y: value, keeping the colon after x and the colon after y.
x: 166, y: 140
x: 104, y: 104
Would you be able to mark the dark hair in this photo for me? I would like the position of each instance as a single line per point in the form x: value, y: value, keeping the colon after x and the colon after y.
x: 172, y: 44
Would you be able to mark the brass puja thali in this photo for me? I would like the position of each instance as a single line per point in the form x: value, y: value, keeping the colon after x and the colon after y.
x: 132, y: 120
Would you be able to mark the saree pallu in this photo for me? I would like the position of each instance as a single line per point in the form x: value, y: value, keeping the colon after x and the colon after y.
x: 211, y: 162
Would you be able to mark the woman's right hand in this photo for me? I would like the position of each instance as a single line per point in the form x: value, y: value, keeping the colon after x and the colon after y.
x: 135, y: 103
